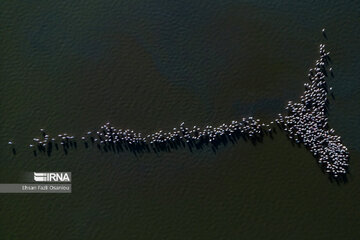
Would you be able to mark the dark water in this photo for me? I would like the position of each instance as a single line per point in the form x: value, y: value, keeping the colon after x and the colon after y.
x: 70, y: 66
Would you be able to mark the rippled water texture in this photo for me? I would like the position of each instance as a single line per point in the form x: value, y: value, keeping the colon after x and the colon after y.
x: 73, y: 65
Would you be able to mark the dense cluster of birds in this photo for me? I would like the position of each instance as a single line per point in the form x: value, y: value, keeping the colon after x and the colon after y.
x: 306, y: 123
x: 307, y: 120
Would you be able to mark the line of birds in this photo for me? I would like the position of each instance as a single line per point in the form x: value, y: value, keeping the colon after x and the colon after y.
x: 306, y: 123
